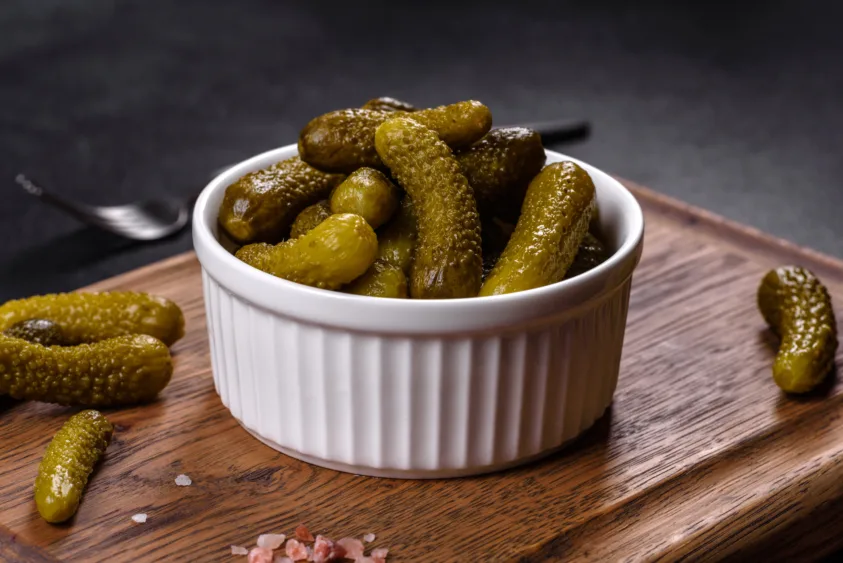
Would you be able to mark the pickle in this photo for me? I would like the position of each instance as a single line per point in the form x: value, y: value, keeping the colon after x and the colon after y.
x: 343, y: 141
x: 332, y: 254
x: 117, y: 371
x: 380, y: 280
x: 89, y: 317
x: 499, y: 168
x: 591, y: 254
x: 310, y: 217
x: 554, y: 220
x: 369, y: 193
x: 385, y: 103
x: 38, y: 331
x: 255, y: 254
x: 798, y: 309
x: 397, y: 241
x: 68, y: 462
x: 447, y: 261
x: 261, y: 206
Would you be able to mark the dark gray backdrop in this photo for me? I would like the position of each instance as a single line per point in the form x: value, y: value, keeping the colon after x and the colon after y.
x: 737, y: 109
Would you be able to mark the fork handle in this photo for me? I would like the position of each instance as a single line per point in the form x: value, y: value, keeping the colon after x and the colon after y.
x: 56, y: 201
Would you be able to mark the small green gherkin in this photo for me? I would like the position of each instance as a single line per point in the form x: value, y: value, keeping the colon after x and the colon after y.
x: 68, y: 462
x: 554, y: 220
x: 797, y: 307
x: 310, y: 217
x: 380, y: 280
x: 369, y: 193
x: 38, y: 331
x: 261, y: 206
x: 397, y: 239
x: 90, y: 317
x: 447, y: 260
x: 385, y: 103
x: 332, y: 254
x: 116, y: 371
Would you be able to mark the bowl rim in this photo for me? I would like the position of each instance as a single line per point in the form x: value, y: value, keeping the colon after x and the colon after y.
x: 435, y: 315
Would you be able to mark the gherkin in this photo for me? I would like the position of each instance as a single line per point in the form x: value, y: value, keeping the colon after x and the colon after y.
x: 90, y: 317
x: 385, y: 103
x: 554, y: 220
x: 68, y: 462
x: 334, y: 253
x: 380, y: 280
x: 369, y: 193
x: 116, y: 371
x: 261, y: 206
x: 447, y: 260
x: 310, y: 217
x: 797, y: 307
x: 39, y: 331
x: 344, y: 140
x: 591, y: 253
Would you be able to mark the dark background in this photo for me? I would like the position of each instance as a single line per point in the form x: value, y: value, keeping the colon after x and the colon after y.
x: 734, y: 108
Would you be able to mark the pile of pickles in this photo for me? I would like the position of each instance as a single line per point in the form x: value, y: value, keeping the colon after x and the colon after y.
x: 84, y: 349
x: 388, y: 200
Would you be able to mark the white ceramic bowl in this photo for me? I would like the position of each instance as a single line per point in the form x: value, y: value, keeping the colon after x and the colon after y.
x: 416, y: 388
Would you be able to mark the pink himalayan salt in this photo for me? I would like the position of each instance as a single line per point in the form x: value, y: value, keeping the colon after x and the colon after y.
x: 260, y: 555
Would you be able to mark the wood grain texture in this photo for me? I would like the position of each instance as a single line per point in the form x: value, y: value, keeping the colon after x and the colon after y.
x: 700, y: 458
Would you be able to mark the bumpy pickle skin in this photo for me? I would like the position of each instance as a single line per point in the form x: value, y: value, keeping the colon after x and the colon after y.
x: 118, y: 371
x: 369, y: 193
x: 385, y: 103
x: 380, y: 280
x: 38, y: 331
x: 554, y: 220
x: 397, y: 239
x: 68, y: 462
x: 332, y: 254
x: 90, y: 317
x: 261, y: 206
x: 447, y: 261
x: 592, y: 253
x: 310, y: 217
x: 343, y: 141
x: 499, y: 168
x: 495, y: 234
x: 797, y: 307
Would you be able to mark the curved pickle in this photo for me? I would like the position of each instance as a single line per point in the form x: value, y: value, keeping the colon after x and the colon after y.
x: 797, y: 307
x: 369, y: 193
x: 310, y: 217
x: 38, y: 331
x: 68, y: 462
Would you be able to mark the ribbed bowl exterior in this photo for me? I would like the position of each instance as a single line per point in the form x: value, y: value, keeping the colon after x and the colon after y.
x: 414, y: 406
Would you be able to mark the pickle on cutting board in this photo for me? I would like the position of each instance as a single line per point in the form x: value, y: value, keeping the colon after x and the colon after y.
x: 797, y: 307
x: 68, y: 462
x: 261, y: 206
x: 117, y: 371
x: 332, y: 254
x: 554, y: 220
x: 344, y: 140
x: 90, y: 317
x: 39, y: 331
x: 447, y: 261
x: 385, y: 103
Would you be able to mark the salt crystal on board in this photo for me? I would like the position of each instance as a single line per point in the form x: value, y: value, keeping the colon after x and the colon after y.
x: 139, y: 518
x: 183, y: 480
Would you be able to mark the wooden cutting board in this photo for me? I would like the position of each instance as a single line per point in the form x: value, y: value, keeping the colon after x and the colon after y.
x: 700, y: 457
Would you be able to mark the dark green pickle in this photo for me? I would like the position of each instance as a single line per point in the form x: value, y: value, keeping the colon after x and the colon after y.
x: 554, y: 220
x: 797, y: 307
x: 592, y: 253
x: 117, y: 371
x: 496, y: 234
x: 344, y: 140
x: 447, y: 260
x: 500, y: 166
x: 67, y: 464
x: 90, y: 317
x: 38, y: 331
x: 310, y: 217
x: 380, y: 280
x: 261, y: 206
x: 397, y: 239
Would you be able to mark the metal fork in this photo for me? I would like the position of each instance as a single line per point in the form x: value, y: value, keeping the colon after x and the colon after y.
x: 142, y: 221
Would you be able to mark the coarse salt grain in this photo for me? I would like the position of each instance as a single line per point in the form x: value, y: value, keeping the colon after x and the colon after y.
x: 271, y: 541
x: 260, y: 555
x: 183, y: 480
x: 353, y: 547
x: 238, y: 550
x: 379, y: 554
x: 139, y: 518
x: 282, y: 559
x: 369, y: 538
